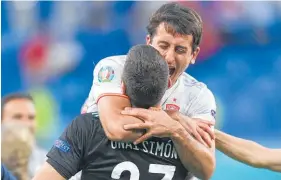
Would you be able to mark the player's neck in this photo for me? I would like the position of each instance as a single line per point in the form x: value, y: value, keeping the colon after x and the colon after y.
x: 157, y: 107
x: 173, y: 84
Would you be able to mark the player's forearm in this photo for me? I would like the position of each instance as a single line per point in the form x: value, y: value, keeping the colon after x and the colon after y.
x: 248, y: 152
x: 273, y: 161
x: 239, y: 149
x: 195, y: 157
x: 116, y: 132
x: 113, y: 121
x: 47, y: 172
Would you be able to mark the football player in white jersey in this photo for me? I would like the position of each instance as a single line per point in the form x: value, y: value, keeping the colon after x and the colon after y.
x: 175, y: 31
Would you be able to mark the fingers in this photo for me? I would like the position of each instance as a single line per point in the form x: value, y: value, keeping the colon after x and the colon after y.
x: 205, y: 136
x: 135, y: 109
x: 186, y: 127
x: 136, y: 126
x: 143, y: 138
x: 207, y: 129
x: 193, y: 132
x: 198, y: 137
x: 155, y: 109
x: 210, y: 123
x: 137, y: 112
x: 128, y: 108
x: 173, y: 114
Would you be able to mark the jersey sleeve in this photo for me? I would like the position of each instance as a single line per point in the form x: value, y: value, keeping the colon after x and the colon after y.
x: 106, y: 80
x: 66, y: 155
x: 204, y: 106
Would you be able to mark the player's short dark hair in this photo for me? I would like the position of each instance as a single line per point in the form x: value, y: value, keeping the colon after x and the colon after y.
x: 145, y: 76
x: 178, y: 19
x: 6, y: 99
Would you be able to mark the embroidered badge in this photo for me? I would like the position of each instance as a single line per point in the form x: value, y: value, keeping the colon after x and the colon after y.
x: 62, y: 145
x: 172, y: 107
x: 106, y: 74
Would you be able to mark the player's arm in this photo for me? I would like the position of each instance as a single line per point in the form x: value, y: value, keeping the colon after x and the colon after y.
x: 159, y: 124
x: 106, y: 91
x: 48, y: 172
x: 202, y: 162
x: 248, y: 152
x: 112, y: 120
x: 65, y: 158
x: 197, y: 158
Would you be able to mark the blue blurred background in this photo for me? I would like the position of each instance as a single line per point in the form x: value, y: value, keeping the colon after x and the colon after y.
x: 50, y: 48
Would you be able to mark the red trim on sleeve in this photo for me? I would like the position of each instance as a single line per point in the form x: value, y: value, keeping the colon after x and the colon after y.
x: 111, y: 94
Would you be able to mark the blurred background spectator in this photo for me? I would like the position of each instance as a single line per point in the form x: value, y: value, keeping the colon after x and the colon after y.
x: 16, y: 147
x: 50, y: 49
x: 19, y: 110
x: 6, y: 174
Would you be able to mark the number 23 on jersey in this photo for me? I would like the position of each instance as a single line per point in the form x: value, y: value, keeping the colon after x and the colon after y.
x: 167, y: 170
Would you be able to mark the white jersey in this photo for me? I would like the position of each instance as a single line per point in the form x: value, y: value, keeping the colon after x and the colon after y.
x: 190, y: 97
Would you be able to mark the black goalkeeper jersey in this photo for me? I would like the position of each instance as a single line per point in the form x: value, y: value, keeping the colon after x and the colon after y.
x: 84, y: 146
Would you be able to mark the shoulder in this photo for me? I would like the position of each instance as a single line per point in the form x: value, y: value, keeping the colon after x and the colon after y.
x: 88, y: 126
x: 195, y: 90
x: 190, y: 82
x: 86, y: 119
x: 110, y: 66
x: 196, y: 86
x: 113, y: 60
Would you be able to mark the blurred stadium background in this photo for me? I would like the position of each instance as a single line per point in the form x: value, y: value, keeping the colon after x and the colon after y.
x: 50, y: 48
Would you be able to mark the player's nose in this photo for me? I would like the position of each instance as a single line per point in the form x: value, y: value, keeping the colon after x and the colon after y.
x: 170, y: 57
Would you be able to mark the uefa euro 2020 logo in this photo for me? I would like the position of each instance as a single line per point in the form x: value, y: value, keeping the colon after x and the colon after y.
x: 106, y: 74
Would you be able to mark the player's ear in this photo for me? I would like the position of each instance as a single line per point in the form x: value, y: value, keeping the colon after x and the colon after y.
x: 194, y: 55
x: 123, y: 87
x: 148, y: 40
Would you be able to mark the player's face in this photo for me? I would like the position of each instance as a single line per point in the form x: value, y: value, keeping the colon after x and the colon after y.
x: 20, y: 110
x: 176, y: 50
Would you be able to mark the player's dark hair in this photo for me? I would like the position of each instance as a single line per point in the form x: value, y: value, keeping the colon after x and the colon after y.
x: 13, y: 96
x: 145, y: 76
x: 177, y: 19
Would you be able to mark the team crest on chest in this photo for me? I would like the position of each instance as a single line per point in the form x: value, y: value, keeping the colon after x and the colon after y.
x: 106, y: 74
x: 172, y: 107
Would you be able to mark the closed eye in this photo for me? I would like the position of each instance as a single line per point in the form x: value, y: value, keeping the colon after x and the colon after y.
x: 164, y: 47
x: 180, y: 50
